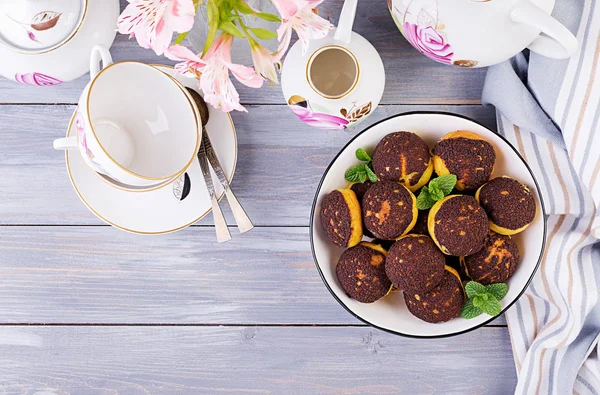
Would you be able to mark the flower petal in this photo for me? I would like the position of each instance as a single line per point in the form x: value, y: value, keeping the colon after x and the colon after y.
x: 246, y: 75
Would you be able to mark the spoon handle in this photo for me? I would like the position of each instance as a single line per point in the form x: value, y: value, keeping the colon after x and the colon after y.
x: 220, y: 224
x: 239, y: 214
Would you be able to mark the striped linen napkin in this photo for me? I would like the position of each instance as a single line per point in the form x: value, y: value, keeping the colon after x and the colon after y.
x: 550, y: 110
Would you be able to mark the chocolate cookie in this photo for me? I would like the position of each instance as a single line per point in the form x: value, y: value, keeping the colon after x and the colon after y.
x: 442, y: 303
x: 495, y: 262
x: 389, y: 210
x: 360, y: 188
x: 341, y: 218
x: 403, y: 157
x: 414, y: 264
x: 508, y: 203
x: 361, y: 272
x: 466, y: 155
x: 458, y: 225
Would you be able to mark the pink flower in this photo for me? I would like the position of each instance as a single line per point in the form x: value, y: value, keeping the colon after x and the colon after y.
x: 190, y: 65
x: 429, y: 42
x: 264, y: 62
x: 214, y: 81
x: 299, y: 16
x: 153, y: 22
x: 319, y: 120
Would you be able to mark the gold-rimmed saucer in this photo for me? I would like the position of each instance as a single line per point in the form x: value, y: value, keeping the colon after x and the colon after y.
x: 156, y: 211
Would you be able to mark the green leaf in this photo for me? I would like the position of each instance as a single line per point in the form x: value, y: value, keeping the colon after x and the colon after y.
x: 268, y: 17
x: 469, y: 310
x: 424, y: 201
x: 435, y: 193
x: 212, y: 14
x: 444, y: 183
x: 356, y: 174
x: 244, y: 8
x: 473, y: 288
x: 263, y: 34
x: 180, y: 38
x: 499, y: 291
x: 478, y: 300
x: 491, y: 306
x: 361, y: 154
x: 231, y: 28
x: 371, y: 174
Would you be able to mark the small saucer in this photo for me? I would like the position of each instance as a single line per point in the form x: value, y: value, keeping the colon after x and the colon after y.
x: 156, y: 211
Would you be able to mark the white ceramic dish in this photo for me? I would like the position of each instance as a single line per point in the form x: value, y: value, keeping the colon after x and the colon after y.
x: 390, y: 313
x: 155, y: 211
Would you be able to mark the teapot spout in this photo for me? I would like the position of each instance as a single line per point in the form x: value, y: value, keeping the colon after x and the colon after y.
x: 343, y: 32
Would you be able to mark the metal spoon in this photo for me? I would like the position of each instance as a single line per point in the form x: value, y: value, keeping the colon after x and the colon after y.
x: 239, y: 214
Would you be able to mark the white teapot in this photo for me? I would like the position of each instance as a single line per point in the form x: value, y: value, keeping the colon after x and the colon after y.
x: 479, y: 33
x: 340, y: 79
x: 46, y: 42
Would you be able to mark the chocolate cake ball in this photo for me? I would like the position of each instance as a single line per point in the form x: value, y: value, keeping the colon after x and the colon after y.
x: 508, y: 203
x: 341, y: 218
x: 466, y: 155
x: 420, y: 227
x: 458, y: 225
x: 495, y: 262
x: 361, y: 272
x: 442, y: 303
x: 403, y: 157
x: 389, y: 210
x: 386, y: 244
x: 414, y: 264
x: 360, y: 188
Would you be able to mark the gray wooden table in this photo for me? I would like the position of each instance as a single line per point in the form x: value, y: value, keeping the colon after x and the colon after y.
x: 86, y: 309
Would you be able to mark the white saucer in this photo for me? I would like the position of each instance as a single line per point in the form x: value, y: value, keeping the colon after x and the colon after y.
x: 156, y: 211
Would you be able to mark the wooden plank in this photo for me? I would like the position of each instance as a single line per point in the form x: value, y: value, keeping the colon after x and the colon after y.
x: 411, y: 77
x: 281, y: 161
x: 256, y: 360
x: 102, y: 275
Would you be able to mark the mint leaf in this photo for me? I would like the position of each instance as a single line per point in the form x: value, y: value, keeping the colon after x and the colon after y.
x: 491, y: 306
x: 478, y: 300
x: 424, y: 201
x: 435, y: 193
x: 469, y: 310
x: 361, y: 154
x: 444, y: 183
x: 356, y: 173
x: 371, y: 174
x: 473, y: 288
x: 499, y: 291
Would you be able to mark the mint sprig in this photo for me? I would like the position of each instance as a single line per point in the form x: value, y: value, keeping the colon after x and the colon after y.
x: 438, y: 189
x: 483, y: 299
x: 363, y: 171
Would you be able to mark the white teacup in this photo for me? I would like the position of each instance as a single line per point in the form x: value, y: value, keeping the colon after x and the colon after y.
x: 135, y: 124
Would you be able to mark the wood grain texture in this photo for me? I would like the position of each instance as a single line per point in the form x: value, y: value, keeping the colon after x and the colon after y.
x: 102, y: 275
x: 280, y: 163
x: 249, y: 360
x: 411, y: 77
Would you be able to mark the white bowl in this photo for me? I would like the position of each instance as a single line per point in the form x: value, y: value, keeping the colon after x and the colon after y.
x: 390, y: 313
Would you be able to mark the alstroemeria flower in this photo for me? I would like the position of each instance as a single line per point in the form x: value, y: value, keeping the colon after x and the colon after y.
x: 299, y: 16
x: 191, y: 64
x: 152, y: 22
x: 214, y: 81
x: 264, y: 61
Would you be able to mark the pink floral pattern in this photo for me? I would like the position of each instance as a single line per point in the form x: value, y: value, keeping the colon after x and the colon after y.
x: 319, y: 120
x: 36, y: 79
x: 429, y: 42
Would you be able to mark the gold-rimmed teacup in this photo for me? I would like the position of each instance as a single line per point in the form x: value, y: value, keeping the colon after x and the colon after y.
x: 134, y: 123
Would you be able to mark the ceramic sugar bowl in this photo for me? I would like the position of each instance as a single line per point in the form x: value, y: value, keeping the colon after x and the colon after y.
x: 478, y: 33
x: 46, y: 42
x: 338, y: 82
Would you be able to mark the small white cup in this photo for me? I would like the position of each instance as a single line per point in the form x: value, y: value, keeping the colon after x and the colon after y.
x: 135, y: 124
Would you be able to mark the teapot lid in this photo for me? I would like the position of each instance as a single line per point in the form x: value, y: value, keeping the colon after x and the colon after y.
x: 37, y: 26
